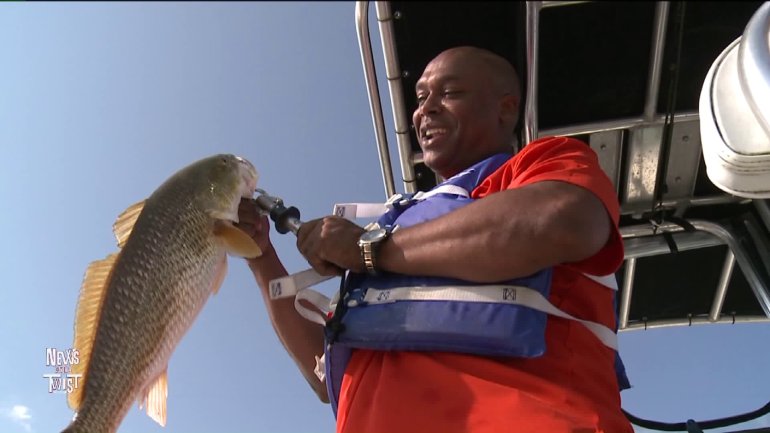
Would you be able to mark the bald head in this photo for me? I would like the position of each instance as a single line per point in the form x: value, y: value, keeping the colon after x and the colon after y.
x: 467, y: 108
x: 499, y: 72
x: 502, y: 74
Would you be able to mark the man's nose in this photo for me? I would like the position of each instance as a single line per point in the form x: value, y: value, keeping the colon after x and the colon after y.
x: 431, y: 104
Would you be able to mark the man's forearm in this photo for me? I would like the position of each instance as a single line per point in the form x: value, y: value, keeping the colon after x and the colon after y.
x: 301, y: 338
x: 503, y: 236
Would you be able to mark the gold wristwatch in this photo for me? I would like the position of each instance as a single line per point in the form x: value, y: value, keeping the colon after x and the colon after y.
x: 369, y: 242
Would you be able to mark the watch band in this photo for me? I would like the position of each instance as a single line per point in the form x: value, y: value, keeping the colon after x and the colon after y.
x: 368, y: 253
x: 369, y: 243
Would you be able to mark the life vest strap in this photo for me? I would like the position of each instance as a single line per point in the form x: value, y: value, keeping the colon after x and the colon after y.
x: 353, y: 211
x: 297, y: 285
x: 290, y: 285
x: 506, y: 294
x: 322, y: 302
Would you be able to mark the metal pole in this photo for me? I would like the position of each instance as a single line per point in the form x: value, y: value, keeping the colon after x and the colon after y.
x: 395, y: 85
x: 367, y: 59
x: 690, y: 321
x: 754, y: 280
x: 530, y: 111
x: 724, y: 281
x: 656, y: 59
x: 625, y: 294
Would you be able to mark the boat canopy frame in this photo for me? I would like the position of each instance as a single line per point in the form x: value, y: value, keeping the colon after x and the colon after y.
x: 672, y: 221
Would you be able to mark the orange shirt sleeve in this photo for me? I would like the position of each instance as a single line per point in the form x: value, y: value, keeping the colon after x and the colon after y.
x: 569, y: 160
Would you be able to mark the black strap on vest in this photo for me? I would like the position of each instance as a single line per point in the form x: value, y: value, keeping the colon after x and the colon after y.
x: 335, y: 324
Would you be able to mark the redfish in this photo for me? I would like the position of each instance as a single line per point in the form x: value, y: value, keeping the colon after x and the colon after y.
x: 136, y: 304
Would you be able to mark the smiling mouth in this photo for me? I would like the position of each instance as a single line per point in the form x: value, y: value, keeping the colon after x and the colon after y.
x: 428, y: 134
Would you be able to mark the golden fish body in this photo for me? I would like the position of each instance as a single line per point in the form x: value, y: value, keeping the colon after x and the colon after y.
x: 136, y: 305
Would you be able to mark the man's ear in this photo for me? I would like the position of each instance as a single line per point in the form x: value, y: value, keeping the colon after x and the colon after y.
x: 509, y: 110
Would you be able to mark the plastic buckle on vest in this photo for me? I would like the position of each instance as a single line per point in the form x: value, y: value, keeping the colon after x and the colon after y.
x: 320, y: 367
x: 395, y: 198
x: 395, y: 201
x: 418, y: 196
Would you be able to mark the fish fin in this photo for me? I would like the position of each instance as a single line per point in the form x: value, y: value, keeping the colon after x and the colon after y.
x: 89, y: 307
x: 236, y: 241
x: 224, y: 215
x: 125, y: 222
x: 220, y: 278
x: 155, y: 398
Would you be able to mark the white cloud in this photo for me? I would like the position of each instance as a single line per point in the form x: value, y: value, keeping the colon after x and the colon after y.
x: 18, y: 414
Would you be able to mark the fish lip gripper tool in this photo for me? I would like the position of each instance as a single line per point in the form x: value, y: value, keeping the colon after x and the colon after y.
x: 285, y: 219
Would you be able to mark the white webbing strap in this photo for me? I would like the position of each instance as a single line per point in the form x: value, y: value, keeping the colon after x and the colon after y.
x: 609, y: 281
x: 290, y: 285
x: 352, y: 211
x: 322, y: 303
x: 445, y: 189
x: 517, y: 295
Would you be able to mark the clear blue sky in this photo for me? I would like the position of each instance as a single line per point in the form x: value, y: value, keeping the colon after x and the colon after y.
x: 99, y: 103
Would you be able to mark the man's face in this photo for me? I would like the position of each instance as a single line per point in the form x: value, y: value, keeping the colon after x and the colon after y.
x: 457, y: 119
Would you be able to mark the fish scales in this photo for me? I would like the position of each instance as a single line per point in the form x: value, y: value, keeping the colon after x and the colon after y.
x: 160, y: 281
x: 150, y: 316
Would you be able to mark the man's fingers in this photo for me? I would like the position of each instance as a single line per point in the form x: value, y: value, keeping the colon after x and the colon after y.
x: 308, y: 244
x: 329, y: 244
x: 257, y: 229
x: 305, y: 236
x: 326, y: 269
x: 247, y: 211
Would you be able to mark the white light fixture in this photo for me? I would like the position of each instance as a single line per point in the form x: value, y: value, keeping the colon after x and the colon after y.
x: 735, y: 112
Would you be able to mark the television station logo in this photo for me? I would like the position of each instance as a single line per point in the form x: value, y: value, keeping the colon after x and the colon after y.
x: 62, y: 380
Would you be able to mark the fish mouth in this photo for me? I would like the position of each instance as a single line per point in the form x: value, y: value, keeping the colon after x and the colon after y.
x: 249, y: 177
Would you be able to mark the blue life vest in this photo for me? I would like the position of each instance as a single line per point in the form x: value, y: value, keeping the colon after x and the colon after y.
x: 491, y: 329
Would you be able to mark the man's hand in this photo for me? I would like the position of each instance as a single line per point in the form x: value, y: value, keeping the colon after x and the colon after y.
x: 254, y: 224
x: 330, y: 245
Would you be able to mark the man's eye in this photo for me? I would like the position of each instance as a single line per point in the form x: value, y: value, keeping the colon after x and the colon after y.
x: 421, y: 99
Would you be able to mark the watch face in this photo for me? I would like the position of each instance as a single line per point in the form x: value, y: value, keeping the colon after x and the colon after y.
x: 374, y: 235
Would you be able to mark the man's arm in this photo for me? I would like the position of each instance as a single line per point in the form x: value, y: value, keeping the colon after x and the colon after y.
x: 505, y: 235
x: 302, y: 338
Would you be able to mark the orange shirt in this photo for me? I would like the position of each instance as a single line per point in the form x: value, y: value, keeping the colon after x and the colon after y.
x: 571, y: 388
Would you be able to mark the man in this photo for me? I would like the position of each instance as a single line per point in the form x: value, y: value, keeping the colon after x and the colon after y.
x: 550, y: 206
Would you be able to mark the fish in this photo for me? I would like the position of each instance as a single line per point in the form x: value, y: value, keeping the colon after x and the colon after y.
x: 136, y: 304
